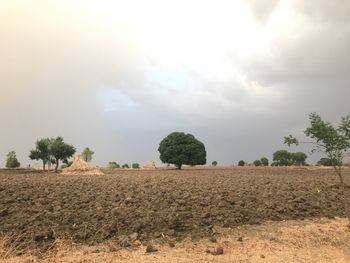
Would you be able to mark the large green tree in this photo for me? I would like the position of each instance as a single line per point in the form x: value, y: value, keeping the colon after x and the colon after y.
x: 328, y: 139
x: 41, y: 151
x: 282, y: 158
x: 179, y: 148
x: 87, y: 154
x: 299, y: 158
x: 11, y: 160
x: 60, y: 151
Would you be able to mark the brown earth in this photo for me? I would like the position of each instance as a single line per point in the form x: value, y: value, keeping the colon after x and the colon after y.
x: 38, y: 208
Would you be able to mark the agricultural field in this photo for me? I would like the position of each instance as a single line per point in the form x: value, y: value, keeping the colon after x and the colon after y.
x: 127, y: 208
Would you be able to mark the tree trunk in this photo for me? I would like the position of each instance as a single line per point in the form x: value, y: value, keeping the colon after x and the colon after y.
x: 57, y: 163
x: 179, y: 166
x: 44, y: 163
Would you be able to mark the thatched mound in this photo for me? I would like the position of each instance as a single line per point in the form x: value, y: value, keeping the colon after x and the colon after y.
x: 151, y: 165
x: 80, y: 167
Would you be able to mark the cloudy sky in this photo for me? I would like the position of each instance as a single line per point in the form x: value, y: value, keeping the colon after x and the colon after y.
x: 118, y: 76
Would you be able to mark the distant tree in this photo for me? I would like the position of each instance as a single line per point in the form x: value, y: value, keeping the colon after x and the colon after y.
x: 135, y: 166
x: 113, y: 165
x: 125, y: 166
x: 326, y: 162
x: 264, y: 161
x: 257, y: 163
x: 241, y: 163
x: 11, y: 160
x: 87, y: 154
x: 299, y: 158
x: 282, y: 158
x: 214, y: 163
x: 60, y: 151
x: 179, y: 148
x: 41, y: 151
x: 331, y: 141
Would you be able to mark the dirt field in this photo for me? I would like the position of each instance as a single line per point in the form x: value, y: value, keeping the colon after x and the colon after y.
x: 37, y: 209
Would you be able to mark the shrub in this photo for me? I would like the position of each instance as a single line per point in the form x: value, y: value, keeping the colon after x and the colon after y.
x: 11, y: 160
x: 135, y: 166
x: 264, y: 161
x: 125, y: 166
x: 257, y: 163
x: 214, y: 163
x: 241, y: 163
x: 113, y: 165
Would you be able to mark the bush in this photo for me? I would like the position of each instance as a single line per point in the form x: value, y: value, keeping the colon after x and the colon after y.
x: 282, y: 158
x: 125, y: 166
x: 214, y: 163
x: 241, y: 163
x: 264, y: 161
x: 257, y: 163
x: 11, y: 160
x: 135, y: 166
x: 113, y: 165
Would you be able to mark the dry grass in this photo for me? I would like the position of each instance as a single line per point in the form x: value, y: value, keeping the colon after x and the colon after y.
x: 321, y: 240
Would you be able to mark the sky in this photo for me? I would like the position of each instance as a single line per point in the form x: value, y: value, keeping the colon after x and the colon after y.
x: 118, y: 76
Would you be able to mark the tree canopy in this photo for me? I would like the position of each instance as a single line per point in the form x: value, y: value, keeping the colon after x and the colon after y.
x: 179, y: 148
x: 60, y: 150
x: 87, y: 154
x: 11, y: 160
x: 41, y: 151
x: 328, y: 139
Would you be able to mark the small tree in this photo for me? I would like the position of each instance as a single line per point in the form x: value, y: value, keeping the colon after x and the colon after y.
x: 241, y: 163
x: 214, y: 163
x: 299, y: 158
x: 11, y: 160
x: 264, y: 161
x: 331, y: 141
x: 325, y: 162
x: 135, y: 166
x: 179, y: 148
x: 257, y: 163
x: 282, y: 158
x: 87, y: 154
x: 41, y: 151
x: 60, y: 151
x: 113, y: 165
x: 125, y: 166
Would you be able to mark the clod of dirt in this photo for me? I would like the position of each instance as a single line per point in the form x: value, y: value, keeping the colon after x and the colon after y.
x: 171, y: 244
x: 4, y: 212
x: 150, y: 248
x: 216, y: 251
x: 125, y: 242
x: 262, y: 256
x: 240, y: 239
x: 133, y: 237
x: 213, y: 239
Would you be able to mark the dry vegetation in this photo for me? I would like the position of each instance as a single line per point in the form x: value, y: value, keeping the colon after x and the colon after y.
x: 281, y: 215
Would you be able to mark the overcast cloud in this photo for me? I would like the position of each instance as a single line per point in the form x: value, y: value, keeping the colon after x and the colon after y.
x: 118, y: 76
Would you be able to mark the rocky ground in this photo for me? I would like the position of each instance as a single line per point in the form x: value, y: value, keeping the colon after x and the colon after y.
x: 37, y: 209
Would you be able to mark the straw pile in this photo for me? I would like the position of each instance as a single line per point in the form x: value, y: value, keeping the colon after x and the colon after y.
x: 80, y: 167
x: 151, y: 165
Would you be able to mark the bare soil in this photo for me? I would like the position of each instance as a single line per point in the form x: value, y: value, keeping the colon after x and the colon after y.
x: 37, y: 209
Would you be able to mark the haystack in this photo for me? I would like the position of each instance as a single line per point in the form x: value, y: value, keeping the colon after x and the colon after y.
x: 80, y: 167
x: 151, y: 165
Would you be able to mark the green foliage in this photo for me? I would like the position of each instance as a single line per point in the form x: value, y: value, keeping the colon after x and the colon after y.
x: 289, y: 140
x: 299, y: 158
x: 282, y: 158
x: 41, y: 151
x: 66, y: 165
x: 214, y: 163
x: 257, y: 163
x: 264, y: 161
x: 179, y: 148
x: 326, y: 162
x: 241, y: 163
x: 135, y: 166
x: 87, y: 154
x: 113, y: 165
x: 328, y: 139
x: 125, y: 166
x: 11, y: 160
x: 60, y: 150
